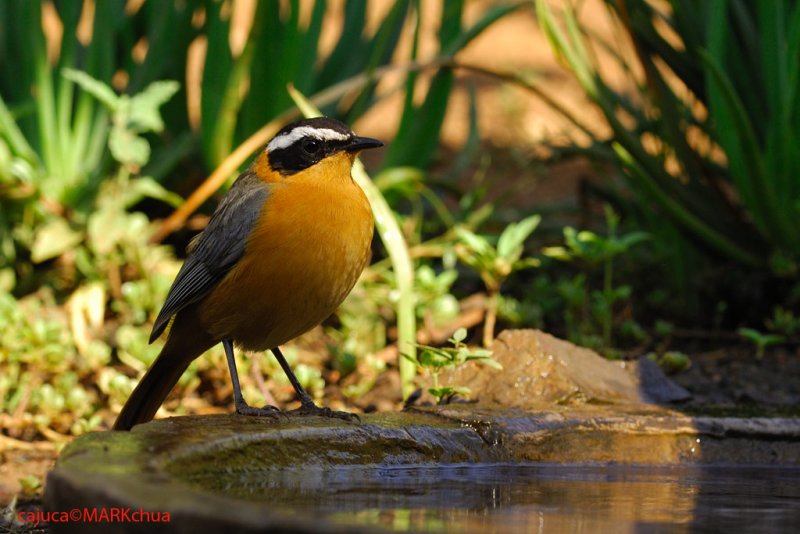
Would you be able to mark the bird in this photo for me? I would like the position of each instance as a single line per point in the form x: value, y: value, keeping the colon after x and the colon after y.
x: 280, y: 253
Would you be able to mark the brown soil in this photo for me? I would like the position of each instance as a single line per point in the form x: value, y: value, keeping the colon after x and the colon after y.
x: 19, y: 460
x: 733, y: 376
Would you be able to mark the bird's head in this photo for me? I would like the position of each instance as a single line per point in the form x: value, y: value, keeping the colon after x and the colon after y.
x: 309, y: 148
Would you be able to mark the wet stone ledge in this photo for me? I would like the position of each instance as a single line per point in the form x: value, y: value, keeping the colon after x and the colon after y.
x: 225, y: 472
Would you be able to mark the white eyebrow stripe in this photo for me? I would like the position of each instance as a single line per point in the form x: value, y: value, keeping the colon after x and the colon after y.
x: 288, y: 139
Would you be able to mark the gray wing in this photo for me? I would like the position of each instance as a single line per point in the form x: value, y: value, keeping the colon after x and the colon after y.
x: 213, y: 252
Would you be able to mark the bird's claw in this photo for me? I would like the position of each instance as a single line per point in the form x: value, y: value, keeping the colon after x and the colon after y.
x: 273, y: 412
x: 311, y: 409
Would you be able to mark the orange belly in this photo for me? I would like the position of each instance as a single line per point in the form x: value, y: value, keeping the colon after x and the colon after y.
x: 302, y: 259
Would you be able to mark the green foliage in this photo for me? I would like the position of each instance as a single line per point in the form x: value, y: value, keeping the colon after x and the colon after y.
x: 587, y: 309
x: 54, y: 187
x: 593, y: 249
x: 417, y: 136
x: 760, y: 340
x: 434, y: 359
x: 130, y: 116
x: 62, y: 133
x: 781, y: 327
x: 434, y: 300
x: 104, y: 221
x: 706, y: 143
x: 495, y: 263
x: 671, y: 361
x: 42, y: 368
x: 31, y: 485
x: 281, y: 48
x: 784, y: 322
x: 56, y: 360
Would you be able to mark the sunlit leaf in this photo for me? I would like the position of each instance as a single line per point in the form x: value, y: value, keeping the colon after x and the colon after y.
x: 53, y: 239
x: 146, y: 187
x: 460, y: 335
x: 96, y: 88
x: 127, y: 147
x: 475, y: 242
x: 144, y: 113
x: 511, y: 240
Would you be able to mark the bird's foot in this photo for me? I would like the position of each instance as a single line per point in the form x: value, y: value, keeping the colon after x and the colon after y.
x: 310, y: 409
x: 272, y: 412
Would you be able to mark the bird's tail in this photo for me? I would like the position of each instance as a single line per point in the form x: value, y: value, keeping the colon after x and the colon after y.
x: 186, y: 342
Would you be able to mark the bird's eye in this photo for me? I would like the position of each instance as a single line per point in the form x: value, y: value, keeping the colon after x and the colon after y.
x: 311, y: 146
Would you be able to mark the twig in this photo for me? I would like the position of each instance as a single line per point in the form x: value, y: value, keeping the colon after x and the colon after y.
x: 9, y: 443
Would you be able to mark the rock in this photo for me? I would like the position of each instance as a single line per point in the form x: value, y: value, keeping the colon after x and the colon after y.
x: 654, y: 383
x: 229, y: 473
x: 540, y: 368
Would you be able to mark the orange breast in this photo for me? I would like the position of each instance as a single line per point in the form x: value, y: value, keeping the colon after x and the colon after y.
x: 302, y: 259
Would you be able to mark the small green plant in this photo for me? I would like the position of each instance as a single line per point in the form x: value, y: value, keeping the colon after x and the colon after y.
x: 671, y: 361
x: 31, y: 485
x: 495, y: 264
x: 131, y: 116
x: 97, y: 207
x: 435, y: 304
x: 761, y: 340
x: 593, y: 251
x: 783, y: 321
x: 434, y: 359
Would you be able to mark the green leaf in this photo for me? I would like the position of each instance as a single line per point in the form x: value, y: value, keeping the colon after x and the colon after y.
x: 492, y: 15
x: 490, y: 362
x: 526, y: 263
x: 760, y: 338
x: 127, y: 147
x: 11, y: 131
x: 510, y: 243
x: 410, y: 358
x: 148, y: 187
x: 476, y: 243
x: 106, y: 228
x: 96, y: 88
x: 144, y: 107
x: 628, y: 240
x: 403, y: 179
x: 459, y: 335
x: 557, y: 253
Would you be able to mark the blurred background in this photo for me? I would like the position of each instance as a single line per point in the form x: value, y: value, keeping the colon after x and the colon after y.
x: 623, y: 174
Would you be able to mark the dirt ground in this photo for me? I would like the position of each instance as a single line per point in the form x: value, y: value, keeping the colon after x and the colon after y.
x: 733, y: 376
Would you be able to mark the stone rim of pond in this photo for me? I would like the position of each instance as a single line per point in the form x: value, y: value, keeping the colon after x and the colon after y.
x: 179, y: 465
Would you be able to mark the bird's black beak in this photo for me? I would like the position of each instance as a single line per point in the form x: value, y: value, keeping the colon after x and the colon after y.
x: 362, y: 143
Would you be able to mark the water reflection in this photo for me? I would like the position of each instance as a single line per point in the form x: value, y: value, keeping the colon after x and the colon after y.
x: 533, y: 498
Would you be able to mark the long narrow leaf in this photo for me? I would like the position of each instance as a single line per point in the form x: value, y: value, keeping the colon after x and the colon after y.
x: 14, y: 136
x: 685, y: 218
x: 742, y: 147
x: 216, y: 75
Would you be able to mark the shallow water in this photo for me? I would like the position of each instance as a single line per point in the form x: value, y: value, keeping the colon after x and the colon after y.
x: 535, y: 498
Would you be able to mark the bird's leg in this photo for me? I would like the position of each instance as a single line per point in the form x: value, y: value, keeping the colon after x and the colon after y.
x: 308, y: 407
x: 242, y: 407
